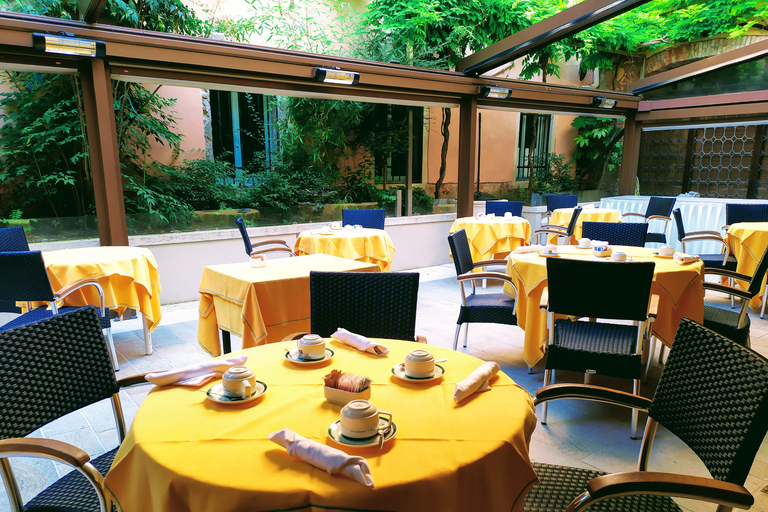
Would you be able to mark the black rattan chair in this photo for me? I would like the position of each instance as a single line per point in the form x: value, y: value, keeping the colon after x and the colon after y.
x: 558, y: 231
x: 13, y: 239
x: 659, y: 208
x: 373, y: 304
x: 720, y: 260
x: 501, y: 207
x: 555, y: 201
x: 712, y: 394
x: 373, y: 219
x: 51, y: 368
x: 252, y: 248
x: 23, y: 278
x: 734, y: 325
x: 494, y: 308
x: 616, y: 233
x: 598, y: 290
x: 745, y: 212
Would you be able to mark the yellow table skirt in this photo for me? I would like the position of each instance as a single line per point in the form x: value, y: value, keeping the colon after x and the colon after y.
x: 748, y: 241
x: 185, y: 453
x: 489, y: 236
x: 365, y: 245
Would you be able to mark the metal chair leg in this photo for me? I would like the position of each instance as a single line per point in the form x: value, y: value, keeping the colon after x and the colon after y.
x: 456, y: 338
x: 112, y: 351
x: 765, y: 296
x: 547, y: 374
x: 466, y: 333
x: 633, y: 430
x: 651, y: 350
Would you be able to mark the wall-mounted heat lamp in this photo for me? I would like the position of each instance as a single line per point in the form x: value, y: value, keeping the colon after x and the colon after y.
x: 334, y: 75
x: 603, y: 102
x: 494, y: 92
x: 64, y: 43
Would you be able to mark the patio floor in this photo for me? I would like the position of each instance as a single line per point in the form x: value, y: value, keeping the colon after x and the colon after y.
x: 579, y: 433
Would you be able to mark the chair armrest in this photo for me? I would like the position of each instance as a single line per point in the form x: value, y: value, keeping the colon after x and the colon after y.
x: 486, y: 263
x: 294, y: 336
x: 273, y: 241
x: 590, y: 392
x: 730, y: 290
x: 700, y: 238
x: 471, y: 276
x: 653, y: 307
x: 661, y: 217
x: 273, y: 249
x: 633, y: 214
x: 553, y: 226
x: 133, y: 380
x: 727, y: 273
x: 421, y: 339
x: 551, y: 231
x: 669, y: 484
x: 704, y: 232
x: 544, y: 302
x: 50, y: 448
x: 71, y: 287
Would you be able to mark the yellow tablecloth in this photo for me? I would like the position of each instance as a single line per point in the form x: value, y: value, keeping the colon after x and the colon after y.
x: 367, y: 245
x: 748, y: 241
x: 185, y: 453
x: 489, y: 236
x: 264, y: 304
x: 679, y: 287
x: 562, y: 217
x: 128, y: 276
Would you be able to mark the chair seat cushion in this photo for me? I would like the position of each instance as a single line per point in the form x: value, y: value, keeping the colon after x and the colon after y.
x: 73, y: 492
x: 608, y: 349
x: 43, y: 312
x: 725, y: 322
x: 495, y: 308
x: 558, y: 486
x: 716, y: 261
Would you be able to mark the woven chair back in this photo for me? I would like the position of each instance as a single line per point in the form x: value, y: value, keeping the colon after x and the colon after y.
x: 13, y: 239
x: 373, y: 219
x: 599, y: 289
x: 660, y: 206
x: 502, y: 207
x: 756, y: 282
x: 678, y: 216
x: 740, y: 212
x: 574, y: 217
x: 244, y: 234
x: 555, y: 201
x: 616, y: 233
x: 23, y: 277
x: 51, y: 368
x: 462, y: 256
x: 377, y: 305
x: 713, y: 395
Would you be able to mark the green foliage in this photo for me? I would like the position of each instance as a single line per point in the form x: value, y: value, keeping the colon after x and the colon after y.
x: 558, y: 176
x: 594, y: 134
x: 422, y: 202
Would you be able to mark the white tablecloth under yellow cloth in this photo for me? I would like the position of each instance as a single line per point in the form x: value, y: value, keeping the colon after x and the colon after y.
x: 679, y: 287
x: 185, y: 453
x: 562, y: 217
x: 264, y: 304
x: 128, y: 276
x: 489, y: 236
x: 748, y: 241
x: 366, y: 245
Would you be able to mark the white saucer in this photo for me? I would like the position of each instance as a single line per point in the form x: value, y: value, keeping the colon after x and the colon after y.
x: 548, y: 254
x: 334, y: 432
x: 399, y: 371
x: 293, y: 356
x: 657, y: 255
x: 580, y: 247
x: 216, y: 394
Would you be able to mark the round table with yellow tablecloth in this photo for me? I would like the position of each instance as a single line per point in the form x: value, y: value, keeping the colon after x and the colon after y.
x: 492, y: 235
x: 362, y: 244
x: 562, y: 217
x: 184, y: 452
x: 679, y: 287
x: 748, y: 242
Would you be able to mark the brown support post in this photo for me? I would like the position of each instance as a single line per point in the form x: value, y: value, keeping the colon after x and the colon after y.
x: 467, y: 155
x: 102, y: 144
x: 690, y: 148
x: 630, y: 156
x: 754, y: 168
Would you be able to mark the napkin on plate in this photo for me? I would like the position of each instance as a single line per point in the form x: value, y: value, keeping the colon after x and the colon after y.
x: 681, y: 258
x: 323, y: 457
x: 359, y: 342
x: 523, y: 249
x: 477, y: 381
x: 197, y: 374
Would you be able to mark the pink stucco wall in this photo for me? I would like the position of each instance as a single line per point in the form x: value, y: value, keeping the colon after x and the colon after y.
x: 189, y: 123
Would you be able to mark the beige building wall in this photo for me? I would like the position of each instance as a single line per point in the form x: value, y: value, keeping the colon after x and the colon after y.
x: 189, y: 124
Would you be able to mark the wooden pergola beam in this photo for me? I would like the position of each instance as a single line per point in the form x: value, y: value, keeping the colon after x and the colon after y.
x: 90, y: 10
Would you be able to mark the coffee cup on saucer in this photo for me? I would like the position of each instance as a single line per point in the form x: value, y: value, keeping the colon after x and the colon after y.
x: 507, y: 215
x: 419, y: 364
x: 238, y: 382
x: 619, y: 256
x: 336, y: 225
x: 549, y: 249
x: 360, y: 419
x: 666, y: 250
x: 311, y: 347
x: 585, y: 243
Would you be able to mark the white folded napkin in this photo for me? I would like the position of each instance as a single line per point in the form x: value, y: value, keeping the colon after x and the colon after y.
x: 683, y: 259
x: 477, y: 381
x: 197, y: 374
x: 524, y: 249
x: 359, y: 342
x: 324, y: 457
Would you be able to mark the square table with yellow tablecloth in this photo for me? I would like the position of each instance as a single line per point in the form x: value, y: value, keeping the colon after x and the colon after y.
x: 562, y: 217
x: 679, y: 287
x: 361, y: 244
x: 184, y: 452
x: 263, y: 304
x: 492, y: 235
x: 747, y: 242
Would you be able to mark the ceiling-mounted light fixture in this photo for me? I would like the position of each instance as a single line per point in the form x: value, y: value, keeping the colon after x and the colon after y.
x: 64, y: 43
x: 495, y: 92
x: 334, y: 75
x: 603, y: 102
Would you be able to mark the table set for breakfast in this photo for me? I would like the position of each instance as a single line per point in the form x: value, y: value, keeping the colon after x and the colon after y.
x: 356, y: 243
x: 490, y: 234
x: 678, y: 285
x: 190, y: 450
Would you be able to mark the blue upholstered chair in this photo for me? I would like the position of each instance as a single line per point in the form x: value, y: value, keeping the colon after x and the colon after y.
x: 616, y: 233
x: 13, y: 239
x: 263, y: 247
x: 373, y: 219
x: 501, y: 207
x: 556, y: 201
x: 745, y: 212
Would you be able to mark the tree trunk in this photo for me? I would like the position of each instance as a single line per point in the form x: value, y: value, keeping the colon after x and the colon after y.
x: 531, y: 149
x: 444, y: 124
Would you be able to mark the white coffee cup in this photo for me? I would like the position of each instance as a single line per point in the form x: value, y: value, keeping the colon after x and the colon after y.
x: 585, y: 242
x: 550, y: 249
x: 238, y: 382
x: 667, y: 250
x: 619, y: 256
x: 311, y: 347
x: 419, y: 363
x: 360, y: 419
x: 335, y: 225
x: 507, y: 215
